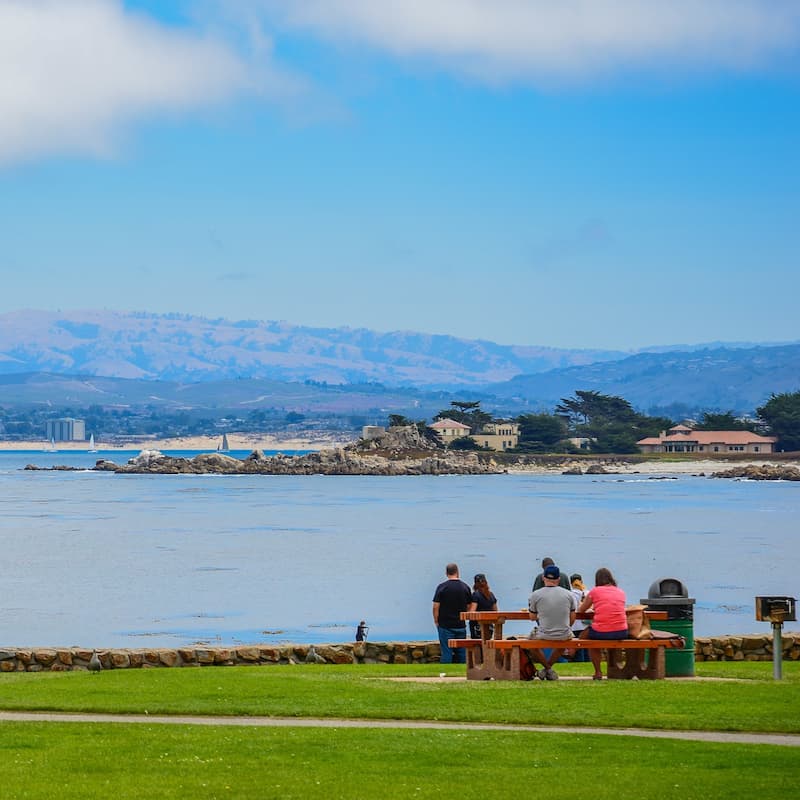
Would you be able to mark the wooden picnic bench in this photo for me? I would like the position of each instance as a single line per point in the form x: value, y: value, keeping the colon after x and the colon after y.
x: 495, y: 658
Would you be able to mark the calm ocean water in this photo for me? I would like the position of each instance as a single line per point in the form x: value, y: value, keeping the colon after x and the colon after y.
x: 101, y: 560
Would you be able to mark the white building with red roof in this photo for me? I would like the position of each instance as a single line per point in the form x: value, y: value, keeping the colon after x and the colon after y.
x: 682, y: 439
x: 496, y: 435
x: 449, y: 429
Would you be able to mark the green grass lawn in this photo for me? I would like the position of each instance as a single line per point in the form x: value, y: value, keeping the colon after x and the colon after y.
x: 87, y: 760
x: 754, y: 702
x: 39, y: 760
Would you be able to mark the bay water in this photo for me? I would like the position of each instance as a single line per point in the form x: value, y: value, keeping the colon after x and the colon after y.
x: 103, y: 560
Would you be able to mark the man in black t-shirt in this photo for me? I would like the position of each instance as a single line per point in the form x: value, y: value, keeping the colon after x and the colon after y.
x: 451, y: 598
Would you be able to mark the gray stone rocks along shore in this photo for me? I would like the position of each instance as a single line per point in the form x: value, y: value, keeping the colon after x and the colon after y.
x: 325, y: 462
x: 764, y: 472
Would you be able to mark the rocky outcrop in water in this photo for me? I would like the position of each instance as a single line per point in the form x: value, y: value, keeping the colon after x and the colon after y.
x: 341, y: 461
x: 400, y: 451
x: 399, y: 439
x: 764, y: 472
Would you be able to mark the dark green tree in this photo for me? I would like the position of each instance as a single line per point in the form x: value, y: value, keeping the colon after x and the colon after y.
x: 399, y: 421
x: 616, y: 437
x: 610, y: 421
x: 723, y: 421
x: 541, y: 433
x: 428, y: 434
x: 465, y: 443
x: 781, y: 415
x: 590, y: 406
x: 652, y: 426
x: 465, y: 406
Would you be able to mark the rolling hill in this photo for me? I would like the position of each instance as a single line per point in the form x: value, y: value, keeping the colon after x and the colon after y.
x: 720, y: 378
x: 173, y: 361
x: 176, y: 347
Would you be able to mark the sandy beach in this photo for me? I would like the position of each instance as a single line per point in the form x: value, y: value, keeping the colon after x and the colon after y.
x: 698, y: 467
x: 236, y: 441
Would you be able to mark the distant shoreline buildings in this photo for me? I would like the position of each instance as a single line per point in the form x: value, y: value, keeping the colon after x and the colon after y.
x: 65, y: 429
x: 682, y: 439
x: 496, y: 435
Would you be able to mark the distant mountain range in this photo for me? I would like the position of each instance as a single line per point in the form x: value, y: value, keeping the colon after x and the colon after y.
x: 177, y: 347
x: 720, y: 378
x: 113, y: 358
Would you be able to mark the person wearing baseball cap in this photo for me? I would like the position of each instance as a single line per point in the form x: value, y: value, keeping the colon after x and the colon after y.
x: 553, y: 608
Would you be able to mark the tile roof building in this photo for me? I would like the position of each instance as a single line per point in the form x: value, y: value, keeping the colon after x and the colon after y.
x: 449, y: 429
x: 682, y: 439
x: 496, y: 435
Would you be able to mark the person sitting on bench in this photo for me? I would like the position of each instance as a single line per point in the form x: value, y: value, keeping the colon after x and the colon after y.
x: 553, y: 607
x: 609, y: 621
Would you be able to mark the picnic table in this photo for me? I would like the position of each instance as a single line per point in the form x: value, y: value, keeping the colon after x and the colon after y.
x: 493, y: 657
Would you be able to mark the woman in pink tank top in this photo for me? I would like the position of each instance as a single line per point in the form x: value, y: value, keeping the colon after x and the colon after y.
x: 609, y: 621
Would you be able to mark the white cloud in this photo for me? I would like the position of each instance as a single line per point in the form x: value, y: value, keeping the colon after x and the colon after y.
x: 74, y: 73
x: 546, y: 40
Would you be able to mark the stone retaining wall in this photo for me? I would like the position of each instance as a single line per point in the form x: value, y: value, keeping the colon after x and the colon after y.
x: 752, y: 647
x: 62, y: 659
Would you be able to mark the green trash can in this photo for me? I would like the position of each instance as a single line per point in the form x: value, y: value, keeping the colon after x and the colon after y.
x: 670, y: 595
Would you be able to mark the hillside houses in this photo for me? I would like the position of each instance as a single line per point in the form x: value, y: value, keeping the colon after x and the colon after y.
x: 496, y: 435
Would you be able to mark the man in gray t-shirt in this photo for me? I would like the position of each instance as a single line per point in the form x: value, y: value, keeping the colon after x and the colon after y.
x: 553, y: 608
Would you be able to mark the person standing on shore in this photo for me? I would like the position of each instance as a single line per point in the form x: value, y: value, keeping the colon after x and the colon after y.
x: 451, y: 598
x: 538, y: 581
x: 483, y: 599
x: 361, y: 631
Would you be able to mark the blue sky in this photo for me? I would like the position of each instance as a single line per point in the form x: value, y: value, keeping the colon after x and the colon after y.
x: 613, y: 173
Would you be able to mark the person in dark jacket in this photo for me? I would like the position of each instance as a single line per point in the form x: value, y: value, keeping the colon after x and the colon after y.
x: 538, y: 582
x: 483, y: 599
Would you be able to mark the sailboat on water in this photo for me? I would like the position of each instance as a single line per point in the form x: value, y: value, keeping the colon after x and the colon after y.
x: 223, y: 448
x: 92, y: 448
x: 52, y: 447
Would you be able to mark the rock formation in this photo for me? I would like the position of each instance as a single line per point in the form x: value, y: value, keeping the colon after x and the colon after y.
x: 400, y: 451
x: 764, y: 472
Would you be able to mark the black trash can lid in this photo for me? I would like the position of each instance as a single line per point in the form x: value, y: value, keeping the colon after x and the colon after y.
x: 667, y: 587
x: 667, y: 602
